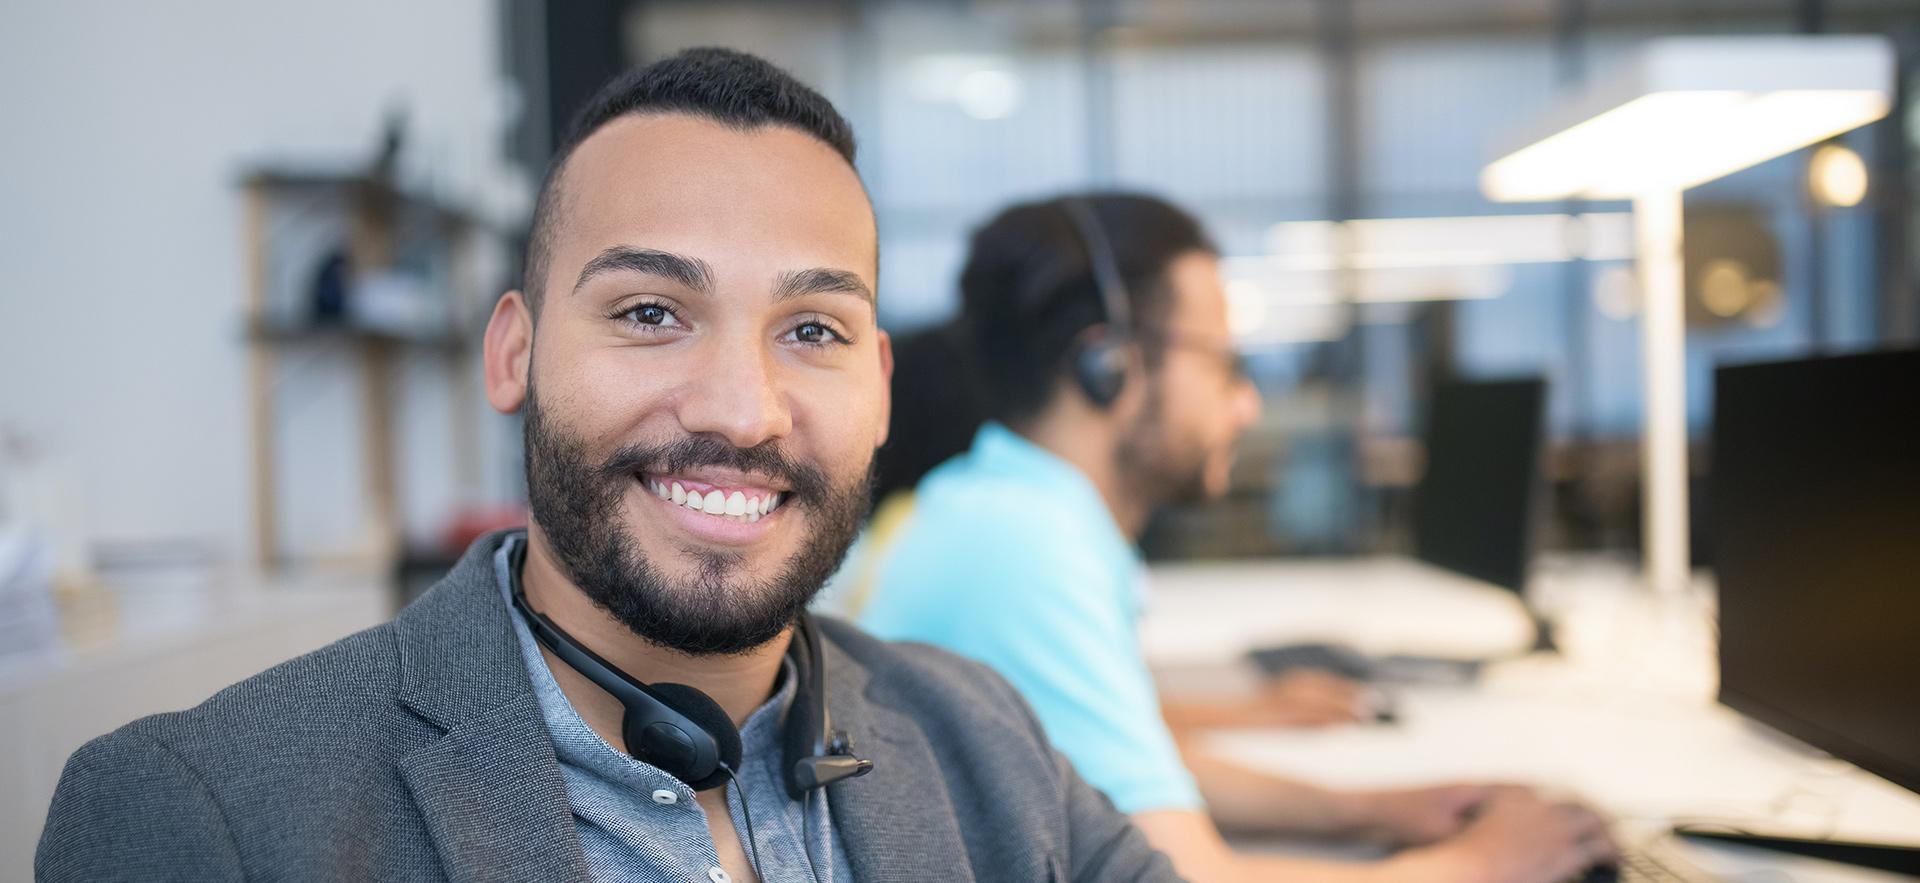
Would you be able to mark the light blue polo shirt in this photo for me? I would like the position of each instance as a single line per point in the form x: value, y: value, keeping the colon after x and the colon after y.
x: 1011, y: 557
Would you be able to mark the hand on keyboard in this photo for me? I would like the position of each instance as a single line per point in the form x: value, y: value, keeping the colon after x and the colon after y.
x: 1517, y: 836
x: 1647, y: 864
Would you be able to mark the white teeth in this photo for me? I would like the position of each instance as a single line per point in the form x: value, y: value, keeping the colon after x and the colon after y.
x: 735, y: 505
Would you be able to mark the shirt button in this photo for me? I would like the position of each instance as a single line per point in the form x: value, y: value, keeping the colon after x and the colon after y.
x: 665, y: 797
x: 718, y: 874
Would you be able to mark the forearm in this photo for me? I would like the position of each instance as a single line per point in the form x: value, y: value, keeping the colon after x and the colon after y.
x: 1188, y: 715
x: 1245, y: 800
x: 1301, y: 870
x: 1202, y: 856
x: 1299, y: 699
x: 1413, y: 866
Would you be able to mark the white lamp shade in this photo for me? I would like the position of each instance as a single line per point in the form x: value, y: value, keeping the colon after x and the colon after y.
x: 1688, y: 110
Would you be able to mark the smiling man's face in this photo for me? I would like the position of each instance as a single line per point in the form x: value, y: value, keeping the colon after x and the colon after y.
x: 706, y: 382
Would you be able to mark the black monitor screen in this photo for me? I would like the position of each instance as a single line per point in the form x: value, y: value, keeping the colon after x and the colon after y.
x: 1816, y: 501
x: 1473, y: 509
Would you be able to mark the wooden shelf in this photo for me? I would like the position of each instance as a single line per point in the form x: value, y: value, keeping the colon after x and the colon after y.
x: 382, y: 228
x: 449, y: 340
x: 285, y: 179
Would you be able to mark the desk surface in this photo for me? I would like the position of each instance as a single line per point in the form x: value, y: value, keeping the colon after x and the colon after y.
x: 1624, y: 716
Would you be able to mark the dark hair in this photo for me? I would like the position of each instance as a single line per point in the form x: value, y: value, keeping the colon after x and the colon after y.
x: 1028, y: 289
x: 729, y: 87
x: 936, y: 407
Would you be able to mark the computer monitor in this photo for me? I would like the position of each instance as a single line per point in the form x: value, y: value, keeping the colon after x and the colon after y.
x: 1816, y: 501
x: 1472, y: 514
x: 1473, y: 509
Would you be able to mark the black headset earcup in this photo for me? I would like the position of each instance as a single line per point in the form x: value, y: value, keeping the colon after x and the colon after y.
x: 658, y: 748
x: 1100, y: 367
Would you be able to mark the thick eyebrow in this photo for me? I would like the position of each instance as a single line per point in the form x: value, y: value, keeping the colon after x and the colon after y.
x: 820, y: 280
x: 690, y: 272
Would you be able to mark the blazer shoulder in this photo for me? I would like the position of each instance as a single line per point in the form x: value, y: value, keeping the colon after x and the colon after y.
x: 886, y: 661
x: 932, y: 681
x: 307, y: 704
x: 129, y: 808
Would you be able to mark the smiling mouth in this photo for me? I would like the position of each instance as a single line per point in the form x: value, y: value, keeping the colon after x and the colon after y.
x: 732, y: 505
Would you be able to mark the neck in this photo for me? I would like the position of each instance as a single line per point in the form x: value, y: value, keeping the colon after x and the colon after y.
x: 740, y: 683
x: 1086, y: 438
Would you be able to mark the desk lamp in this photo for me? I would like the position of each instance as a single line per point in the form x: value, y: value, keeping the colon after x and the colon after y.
x: 1684, y: 111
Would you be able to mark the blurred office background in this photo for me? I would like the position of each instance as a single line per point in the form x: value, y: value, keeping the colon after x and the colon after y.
x: 160, y: 311
x: 249, y: 248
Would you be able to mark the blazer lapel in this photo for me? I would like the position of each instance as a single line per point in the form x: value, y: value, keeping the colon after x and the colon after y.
x: 489, y: 788
x: 898, y: 822
x: 494, y: 801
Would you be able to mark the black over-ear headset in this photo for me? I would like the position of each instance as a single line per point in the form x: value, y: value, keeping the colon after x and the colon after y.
x: 1100, y: 365
x: 688, y: 735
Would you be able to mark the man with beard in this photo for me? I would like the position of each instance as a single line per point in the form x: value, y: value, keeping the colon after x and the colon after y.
x: 630, y: 690
x: 1098, y: 326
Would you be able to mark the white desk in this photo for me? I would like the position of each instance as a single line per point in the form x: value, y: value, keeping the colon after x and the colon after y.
x: 1624, y: 716
x: 153, y: 649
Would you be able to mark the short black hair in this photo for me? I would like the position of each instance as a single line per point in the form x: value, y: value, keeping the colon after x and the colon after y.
x: 726, y: 86
x: 1028, y: 291
x: 936, y: 406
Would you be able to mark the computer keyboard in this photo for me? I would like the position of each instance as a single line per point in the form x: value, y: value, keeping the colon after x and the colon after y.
x: 1338, y: 659
x: 1397, y: 668
x: 1645, y: 866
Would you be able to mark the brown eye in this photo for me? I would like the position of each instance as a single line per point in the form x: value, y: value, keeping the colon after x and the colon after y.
x: 648, y: 318
x: 816, y: 335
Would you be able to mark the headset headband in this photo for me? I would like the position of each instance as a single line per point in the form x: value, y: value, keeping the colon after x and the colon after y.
x: 1106, y: 268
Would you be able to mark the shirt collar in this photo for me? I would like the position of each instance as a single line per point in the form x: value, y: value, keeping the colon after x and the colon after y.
x: 577, y: 744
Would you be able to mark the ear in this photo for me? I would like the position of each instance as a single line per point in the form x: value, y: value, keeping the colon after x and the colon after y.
x: 507, y: 353
x: 1134, y: 391
x: 886, y: 386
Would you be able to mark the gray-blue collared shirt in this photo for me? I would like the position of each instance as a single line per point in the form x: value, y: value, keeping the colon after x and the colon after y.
x: 635, y: 822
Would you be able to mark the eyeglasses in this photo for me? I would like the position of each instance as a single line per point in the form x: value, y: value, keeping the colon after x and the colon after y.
x: 1231, y: 359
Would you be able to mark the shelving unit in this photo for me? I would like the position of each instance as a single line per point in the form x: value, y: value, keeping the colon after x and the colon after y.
x: 423, y: 252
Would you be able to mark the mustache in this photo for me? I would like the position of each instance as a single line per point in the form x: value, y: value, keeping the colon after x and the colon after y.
x: 806, y: 483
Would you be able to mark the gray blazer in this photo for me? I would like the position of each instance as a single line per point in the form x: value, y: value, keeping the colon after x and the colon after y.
x: 415, y: 750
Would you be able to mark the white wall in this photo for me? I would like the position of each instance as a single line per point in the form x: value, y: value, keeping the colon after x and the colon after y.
x: 125, y: 127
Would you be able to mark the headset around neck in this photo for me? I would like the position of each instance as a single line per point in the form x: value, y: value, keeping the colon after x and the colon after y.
x: 685, y: 733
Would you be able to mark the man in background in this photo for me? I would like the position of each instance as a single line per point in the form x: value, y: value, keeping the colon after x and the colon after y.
x: 1098, y: 325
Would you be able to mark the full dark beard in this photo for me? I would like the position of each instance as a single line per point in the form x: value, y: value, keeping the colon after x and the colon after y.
x: 721, y: 610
